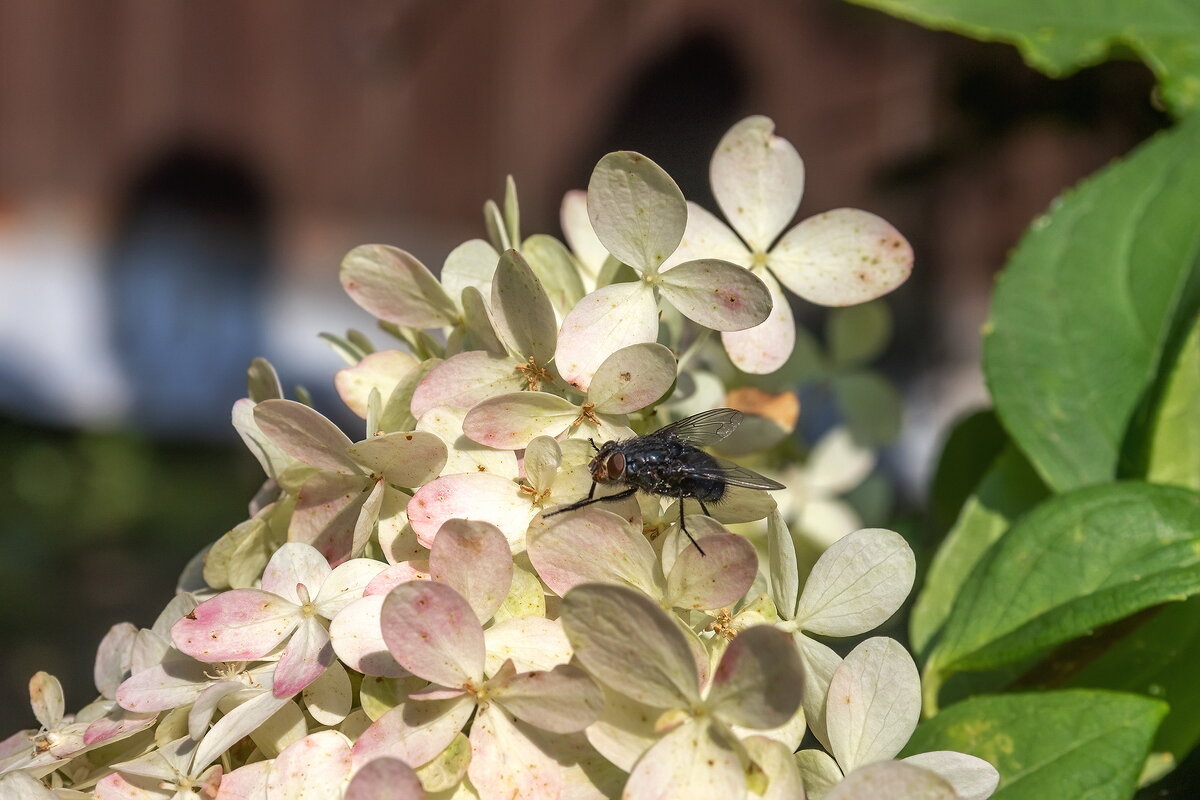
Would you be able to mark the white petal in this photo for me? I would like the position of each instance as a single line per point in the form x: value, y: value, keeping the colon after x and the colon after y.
x: 577, y: 228
x: 506, y: 764
x: 778, y: 766
x: 625, y: 730
x: 782, y: 565
x: 637, y: 211
x: 892, y: 779
x: 625, y: 640
x: 873, y: 704
x: 532, y: 643
x: 476, y: 496
x: 819, y: 662
x: 697, y: 760
x: 305, y: 434
x: 766, y: 347
x: 543, y: 457
x: 602, y: 323
x: 239, y: 722
x: 358, y: 642
x: 837, y: 463
x: 632, y: 378
x: 972, y: 778
x: 329, y: 697
x: 295, y: 563
x: 559, y: 700
x: 346, y: 584
x: 465, y: 455
x: 842, y: 258
x: 857, y: 583
x: 395, y: 286
x: 706, y: 236
x: 381, y: 370
x: 758, y: 179
x: 403, y: 458
x: 819, y: 771
x: 472, y: 263
x: 522, y: 310
x: 414, y: 731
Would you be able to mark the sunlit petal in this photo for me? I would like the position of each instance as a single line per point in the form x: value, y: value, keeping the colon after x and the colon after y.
x: 758, y: 179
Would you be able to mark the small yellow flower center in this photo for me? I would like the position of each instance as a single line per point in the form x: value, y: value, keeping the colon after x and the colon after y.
x: 533, y: 374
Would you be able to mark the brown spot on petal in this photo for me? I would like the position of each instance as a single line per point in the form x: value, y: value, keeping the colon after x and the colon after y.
x: 408, y: 436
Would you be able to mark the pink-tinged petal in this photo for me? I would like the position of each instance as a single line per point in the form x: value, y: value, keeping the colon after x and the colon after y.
x: 506, y: 764
x: 307, y: 655
x: 892, y: 779
x: 380, y: 371
x: 415, y: 731
x: 758, y: 179
x: 720, y: 577
x: 531, y: 643
x: 561, y: 700
x: 171, y: 684
x: 113, y: 787
x: 625, y: 640
x: 758, y: 681
x: 473, y: 558
x: 385, y: 779
x: 842, y: 258
x: 819, y: 662
x: 466, y: 379
x: 117, y: 724
x: 873, y: 704
x: 778, y: 765
x: 522, y: 310
x: 972, y: 778
x: 316, y: 766
x: 766, y: 347
x: 305, y: 434
x: 626, y: 729
x: 674, y: 542
x: 395, y: 286
x: 434, y: 633
x: 857, y: 584
x: 46, y: 698
x: 593, y: 545
x: 471, y: 264
x: 602, y: 323
x: 330, y: 697
x: 239, y: 625
x: 476, y: 496
x: 327, y: 512
x: 697, y: 760
x: 245, y: 783
x: 636, y: 210
x: 717, y: 294
x: 112, y: 658
x: 465, y: 455
x: 397, y: 574
x: 404, y: 458
x: 346, y: 584
x: 241, y: 721
x: 577, y: 228
x: 513, y: 420
x: 269, y: 455
x: 706, y: 236
x: 358, y: 642
x: 632, y: 378
x: 295, y: 563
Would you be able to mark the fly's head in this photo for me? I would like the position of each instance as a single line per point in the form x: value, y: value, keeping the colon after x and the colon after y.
x: 609, y: 464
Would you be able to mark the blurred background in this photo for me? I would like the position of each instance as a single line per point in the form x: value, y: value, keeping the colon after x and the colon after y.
x: 179, y: 181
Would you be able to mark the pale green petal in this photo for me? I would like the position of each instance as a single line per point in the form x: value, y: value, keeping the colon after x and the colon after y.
x: 637, y: 211
x: 758, y: 179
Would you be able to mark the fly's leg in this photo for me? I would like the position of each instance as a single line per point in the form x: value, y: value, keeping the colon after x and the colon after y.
x: 587, y: 501
x: 704, y: 507
x: 683, y: 527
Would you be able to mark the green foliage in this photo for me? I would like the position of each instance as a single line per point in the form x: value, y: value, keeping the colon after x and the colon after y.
x: 1050, y: 744
x: 1062, y: 36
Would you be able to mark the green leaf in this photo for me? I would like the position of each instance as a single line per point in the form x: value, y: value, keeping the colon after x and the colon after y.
x: 858, y: 334
x: 1076, y: 562
x: 1174, y: 438
x: 1066, y: 744
x: 1082, y: 312
x: 1063, y: 36
x: 967, y: 455
x: 1158, y: 659
x: 1008, y: 489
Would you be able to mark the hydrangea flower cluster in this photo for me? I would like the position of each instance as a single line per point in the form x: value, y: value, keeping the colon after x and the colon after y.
x: 397, y: 618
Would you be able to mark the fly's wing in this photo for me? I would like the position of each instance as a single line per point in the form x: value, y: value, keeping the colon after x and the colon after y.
x: 735, y: 475
x: 704, y: 428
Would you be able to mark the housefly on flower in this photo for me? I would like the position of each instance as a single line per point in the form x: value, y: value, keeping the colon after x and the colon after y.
x: 670, y: 463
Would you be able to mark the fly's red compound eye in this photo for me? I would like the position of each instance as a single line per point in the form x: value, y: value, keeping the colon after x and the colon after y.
x: 616, y: 466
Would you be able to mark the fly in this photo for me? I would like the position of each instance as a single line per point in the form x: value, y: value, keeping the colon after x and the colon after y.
x: 670, y: 463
